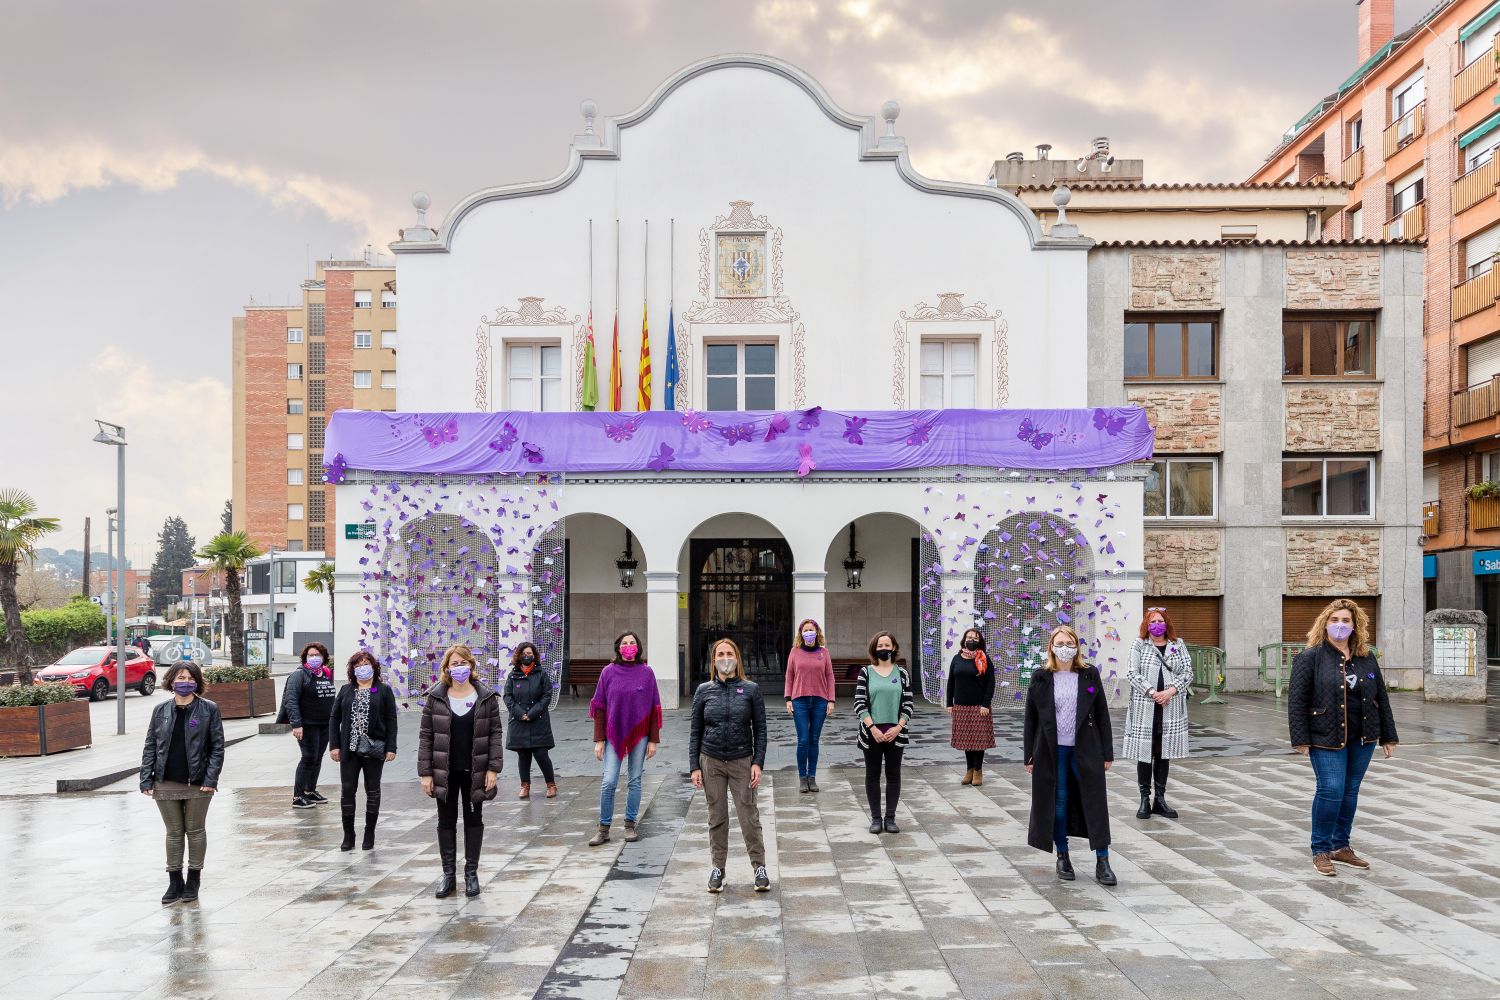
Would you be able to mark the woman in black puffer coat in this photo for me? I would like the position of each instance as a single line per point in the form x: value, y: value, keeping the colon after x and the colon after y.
x: 528, y: 699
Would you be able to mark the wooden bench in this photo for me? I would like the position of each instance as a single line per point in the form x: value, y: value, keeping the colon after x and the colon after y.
x: 584, y: 672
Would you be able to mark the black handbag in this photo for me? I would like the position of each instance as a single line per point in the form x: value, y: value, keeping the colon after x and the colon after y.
x: 366, y: 747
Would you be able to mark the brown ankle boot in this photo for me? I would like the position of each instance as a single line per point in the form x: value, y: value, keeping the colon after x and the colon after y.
x: 630, y: 835
x: 978, y: 779
x: 525, y: 790
x: 602, y: 837
x: 551, y: 789
x: 969, y: 777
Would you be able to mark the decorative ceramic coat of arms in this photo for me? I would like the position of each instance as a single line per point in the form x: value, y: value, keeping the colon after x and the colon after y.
x: 741, y: 266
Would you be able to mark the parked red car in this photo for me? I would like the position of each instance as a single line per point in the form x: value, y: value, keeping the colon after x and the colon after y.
x: 92, y: 671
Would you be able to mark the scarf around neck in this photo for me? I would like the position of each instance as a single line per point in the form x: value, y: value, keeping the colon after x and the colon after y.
x: 631, y: 704
x: 981, y: 662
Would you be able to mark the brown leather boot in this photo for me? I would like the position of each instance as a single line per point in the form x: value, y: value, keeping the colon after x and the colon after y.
x: 602, y: 837
x: 525, y: 790
x: 969, y: 777
x: 1346, y: 856
x: 551, y: 789
x: 1323, y: 864
x: 630, y: 835
x: 978, y: 779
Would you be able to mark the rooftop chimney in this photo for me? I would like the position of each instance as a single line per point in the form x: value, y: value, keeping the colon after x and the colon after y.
x: 1043, y: 150
x: 1377, y: 26
x: 1016, y: 157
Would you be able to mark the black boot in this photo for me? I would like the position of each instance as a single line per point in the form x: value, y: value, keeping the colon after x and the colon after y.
x: 447, y: 852
x: 372, y: 816
x: 876, y: 824
x: 174, y: 888
x: 1143, y: 778
x: 473, y: 838
x: 1103, y: 874
x: 347, y: 844
x: 1160, y: 807
x: 190, y: 888
x: 1065, y: 867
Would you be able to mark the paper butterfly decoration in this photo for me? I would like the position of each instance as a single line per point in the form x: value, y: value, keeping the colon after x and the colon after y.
x: 507, y: 438
x: 809, y: 419
x: 852, y: 428
x: 664, y: 457
x: 807, y: 464
x: 736, y: 433
x: 335, y: 468
x: 533, y: 452
x: 622, y: 431
x: 921, y: 430
x: 1108, y: 424
x: 779, y: 425
x: 442, y: 433
x: 695, y: 421
x: 1038, y: 439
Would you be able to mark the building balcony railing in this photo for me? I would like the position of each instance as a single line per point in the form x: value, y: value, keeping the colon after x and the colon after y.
x: 1432, y: 521
x: 1401, y: 132
x: 1484, y: 513
x: 1475, y: 295
x: 1409, y: 225
x: 1354, y: 166
x: 1475, y: 186
x: 1475, y: 78
x: 1475, y: 403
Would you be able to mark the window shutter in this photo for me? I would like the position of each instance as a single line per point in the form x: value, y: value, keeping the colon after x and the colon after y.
x: 1481, y: 247
x: 1483, y: 361
x: 1196, y: 619
x: 1430, y: 489
x: 1299, y: 613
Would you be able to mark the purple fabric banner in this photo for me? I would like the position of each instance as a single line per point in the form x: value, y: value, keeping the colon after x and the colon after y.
x: 796, y: 442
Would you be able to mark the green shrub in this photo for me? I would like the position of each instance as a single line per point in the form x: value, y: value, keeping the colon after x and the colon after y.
x: 226, y: 674
x: 53, y: 633
x: 1483, y: 491
x: 29, y: 695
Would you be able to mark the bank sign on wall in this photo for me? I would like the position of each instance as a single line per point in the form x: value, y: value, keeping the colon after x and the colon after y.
x: 1487, y: 562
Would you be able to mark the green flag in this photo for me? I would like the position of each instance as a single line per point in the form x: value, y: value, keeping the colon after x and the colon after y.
x: 589, y: 397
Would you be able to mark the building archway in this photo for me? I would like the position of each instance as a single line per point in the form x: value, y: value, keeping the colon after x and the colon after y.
x: 597, y: 606
x: 451, y: 597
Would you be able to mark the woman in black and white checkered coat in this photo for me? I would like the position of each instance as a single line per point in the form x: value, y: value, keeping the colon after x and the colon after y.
x: 1156, y: 723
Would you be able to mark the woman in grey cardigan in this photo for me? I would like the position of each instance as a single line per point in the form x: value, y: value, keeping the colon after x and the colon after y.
x: 1156, y: 723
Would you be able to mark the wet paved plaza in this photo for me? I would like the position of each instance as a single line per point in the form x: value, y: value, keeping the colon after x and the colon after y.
x: 1223, y: 903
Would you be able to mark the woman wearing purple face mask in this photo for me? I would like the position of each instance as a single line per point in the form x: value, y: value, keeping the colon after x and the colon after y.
x: 363, y: 730
x: 1337, y: 711
x: 180, y: 766
x: 307, y: 706
x: 809, y: 697
x: 626, y: 709
x: 1156, y: 722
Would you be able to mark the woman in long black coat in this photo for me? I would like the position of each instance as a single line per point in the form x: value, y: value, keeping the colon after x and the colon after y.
x: 528, y: 699
x: 1067, y: 730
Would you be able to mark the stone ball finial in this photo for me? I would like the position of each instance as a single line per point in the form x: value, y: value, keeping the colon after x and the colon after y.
x: 590, y: 110
x: 420, y: 201
x: 1062, y: 196
x: 890, y: 111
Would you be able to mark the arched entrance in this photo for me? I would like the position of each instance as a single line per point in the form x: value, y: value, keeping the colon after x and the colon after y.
x: 451, y: 569
x: 873, y: 583
x: 739, y: 575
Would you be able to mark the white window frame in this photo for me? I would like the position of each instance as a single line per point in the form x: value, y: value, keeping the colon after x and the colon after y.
x: 1167, y: 462
x: 537, y: 380
x: 947, y: 373
x: 296, y: 477
x: 387, y: 379
x: 387, y: 299
x: 1355, y: 134
x: 295, y: 407
x: 294, y: 335
x: 1401, y: 95
x: 364, y: 379
x: 1357, y: 222
x: 363, y: 298
x: 293, y: 372
x: 295, y: 442
x: 739, y: 366
x: 388, y: 340
x: 1323, y: 496
x: 364, y: 340
x: 295, y: 512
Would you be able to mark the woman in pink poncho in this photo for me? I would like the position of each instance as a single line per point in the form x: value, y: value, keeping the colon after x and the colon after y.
x: 626, y: 710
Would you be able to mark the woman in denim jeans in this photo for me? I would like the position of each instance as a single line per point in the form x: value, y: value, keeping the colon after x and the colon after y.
x: 809, y: 698
x: 1337, y: 711
x: 626, y: 709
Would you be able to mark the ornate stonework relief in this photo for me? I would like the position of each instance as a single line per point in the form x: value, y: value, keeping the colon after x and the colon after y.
x: 1324, y: 561
x: 1167, y: 280
x: 1333, y: 279
x: 978, y: 320
x: 1323, y: 417
x: 1185, y: 420
x: 528, y: 313
x: 1185, y: 561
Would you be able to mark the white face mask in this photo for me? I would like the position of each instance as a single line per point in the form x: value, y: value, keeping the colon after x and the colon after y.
x: 1065, y: 654
x: 725, y: 666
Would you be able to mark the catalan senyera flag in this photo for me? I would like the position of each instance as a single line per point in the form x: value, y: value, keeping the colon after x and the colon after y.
x: 670, y: 397
x: 615, y: 385
x: 643, y: 378
x: 589, y: 395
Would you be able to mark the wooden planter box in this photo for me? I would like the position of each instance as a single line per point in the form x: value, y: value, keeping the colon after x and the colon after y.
x: 244, y: 699
x: 43, y: 729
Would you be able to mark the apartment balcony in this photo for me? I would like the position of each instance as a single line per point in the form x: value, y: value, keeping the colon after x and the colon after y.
x: 1432, y: 521
x: 1475, y: 186
x: 1405, y: 130
x: 1475, y: 78
x: 1484, y: 513
x: 1354, y: 166
x: 1475, y: 295
x: 1477, y: 403
x: 1409, y: 225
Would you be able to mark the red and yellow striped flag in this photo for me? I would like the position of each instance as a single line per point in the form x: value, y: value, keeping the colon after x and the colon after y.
x: 615, y: 385
x: 643, y: 380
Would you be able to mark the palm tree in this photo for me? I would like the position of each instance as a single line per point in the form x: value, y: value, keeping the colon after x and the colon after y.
x: 320, y: 581
x: 229, y: 553
x: 19, y: 533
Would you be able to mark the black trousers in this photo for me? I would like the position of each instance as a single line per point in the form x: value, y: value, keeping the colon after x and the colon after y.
x: 889, y: 756
x: 314, y: 744
x: 543, y: 760
x: 459, y: 800
x: 351, y: 766
x: 975, y: 759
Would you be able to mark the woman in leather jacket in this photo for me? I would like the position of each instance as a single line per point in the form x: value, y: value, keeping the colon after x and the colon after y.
x: 180, y: 766
x: 1337, y: 711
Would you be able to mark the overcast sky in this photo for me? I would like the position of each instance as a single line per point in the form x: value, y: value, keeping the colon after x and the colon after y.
x: 163, y: 164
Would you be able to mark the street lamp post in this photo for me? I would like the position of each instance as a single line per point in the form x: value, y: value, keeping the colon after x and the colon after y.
x: 109, y: 572
x: 271, y: 615
x: 193, y: 603
x: 114, y: 436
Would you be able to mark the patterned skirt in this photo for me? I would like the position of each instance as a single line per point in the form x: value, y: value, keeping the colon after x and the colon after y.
x: 972, y: 731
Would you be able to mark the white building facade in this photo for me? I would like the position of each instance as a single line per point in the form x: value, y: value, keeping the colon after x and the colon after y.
x: 805, y: 268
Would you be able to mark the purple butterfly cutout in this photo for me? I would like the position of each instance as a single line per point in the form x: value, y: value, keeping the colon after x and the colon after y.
x: 1111, y: 425
x: 442, y: 433
x: 695, y: 421
x: 533, y: 452
x: 507, y: 438
x: 779, y: 425
x: 735, y: 433
x: 664, y: 457
x: 852, y: 428
x: 809, y: 419
x: 807, y: 464
x: 335, y: 469
x: 921, y: 430
x: 622, y: 431
x: 1028, y: 432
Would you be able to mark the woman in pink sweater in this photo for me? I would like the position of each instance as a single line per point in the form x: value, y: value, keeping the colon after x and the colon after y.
x: 809, y: 697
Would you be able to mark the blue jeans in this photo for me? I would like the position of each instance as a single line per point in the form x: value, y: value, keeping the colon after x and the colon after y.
x: 1066, y: 764
x: 635, y: 763
x: 1338, y: 773
x: 808, y: 713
